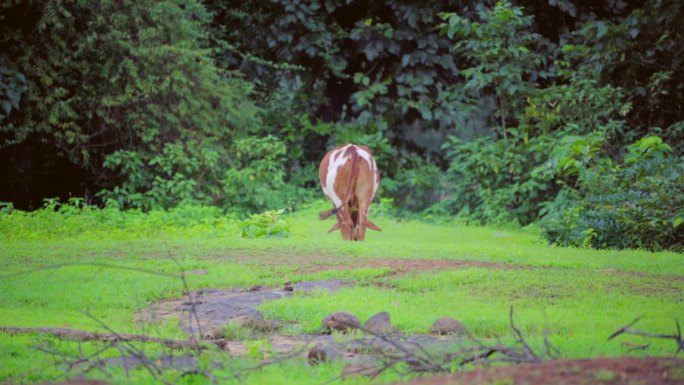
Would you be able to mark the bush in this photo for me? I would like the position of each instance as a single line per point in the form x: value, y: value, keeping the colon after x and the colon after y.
x: 266, y: 225
x: 76, y: 220
x: 497, y: 180
x: 637, y: 204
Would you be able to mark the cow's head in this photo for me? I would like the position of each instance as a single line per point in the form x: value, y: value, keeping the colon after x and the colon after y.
x: 352, y: 225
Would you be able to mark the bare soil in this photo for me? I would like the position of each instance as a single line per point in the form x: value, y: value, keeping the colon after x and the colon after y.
x: 402, y: 266
x: 609, y: 371
x: 613, y: 371
x: 215, y: 307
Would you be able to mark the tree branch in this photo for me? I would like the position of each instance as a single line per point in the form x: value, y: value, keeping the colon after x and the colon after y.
x: 82, y: 335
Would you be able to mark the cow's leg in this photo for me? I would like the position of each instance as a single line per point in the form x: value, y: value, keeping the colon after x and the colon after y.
x: 361, y: 228
x: 364, y: 195
x: 354, y: 215
x: 346, y: 224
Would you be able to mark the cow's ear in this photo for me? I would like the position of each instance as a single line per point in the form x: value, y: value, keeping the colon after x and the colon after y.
x: 336, y: 226
x: 372, y: 226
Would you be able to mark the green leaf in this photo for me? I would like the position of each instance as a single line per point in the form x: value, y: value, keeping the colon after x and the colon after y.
x: 601, y: 29
x: 634, y: 32
x: 677, y: 221
x: 6, y: 106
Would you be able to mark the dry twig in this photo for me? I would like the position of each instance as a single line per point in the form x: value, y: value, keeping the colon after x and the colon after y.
x: 82, y: 335
x: 627, y: 329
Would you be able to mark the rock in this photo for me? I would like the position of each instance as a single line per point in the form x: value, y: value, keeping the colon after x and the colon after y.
x: 379, y: 323
x: 341, y: 322
x: 322, y: 353
x: 248, y: 320
x: 447, y: 325
x: 256, y: 322
x: 215, y: 333
x: 354, y: 370
x: 269, y: 325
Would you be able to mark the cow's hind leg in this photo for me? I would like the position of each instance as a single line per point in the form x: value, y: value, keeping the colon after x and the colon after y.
x: 364, y: 196
x: 364, y: 201
x: 355, y: 217
x: 346, y: 223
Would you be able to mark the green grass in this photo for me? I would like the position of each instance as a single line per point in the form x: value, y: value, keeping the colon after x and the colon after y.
x: 60, y: 268
x: 604, y: 375
x: 578, y: 310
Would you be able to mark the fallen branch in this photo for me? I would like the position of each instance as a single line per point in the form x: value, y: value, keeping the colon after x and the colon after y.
x: 627, y: 329
x: 82, y: 335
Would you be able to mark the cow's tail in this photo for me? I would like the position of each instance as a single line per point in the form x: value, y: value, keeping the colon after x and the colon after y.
x: 354, y: 177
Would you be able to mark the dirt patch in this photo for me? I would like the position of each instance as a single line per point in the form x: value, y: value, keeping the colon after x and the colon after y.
x: 215, y: 307
x: 667, y: 284
x: 609, y: 371
x: 613, y: 371
x: 402, y: 266
x: 77, y: 381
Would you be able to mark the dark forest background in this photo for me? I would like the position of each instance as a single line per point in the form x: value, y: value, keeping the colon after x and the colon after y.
x: 559, y: 112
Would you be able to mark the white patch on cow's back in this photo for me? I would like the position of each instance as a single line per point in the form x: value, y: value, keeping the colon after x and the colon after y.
x: 365, y: 155
x: 333, y: 166
x: 373, y: 167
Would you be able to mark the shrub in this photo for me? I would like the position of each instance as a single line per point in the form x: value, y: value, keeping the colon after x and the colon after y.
x: 266, y: 225
x: 637, y: 204
x: 76, y: 220
x: 496, y: 180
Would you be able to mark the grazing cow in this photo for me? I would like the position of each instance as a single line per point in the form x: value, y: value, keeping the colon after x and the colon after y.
x: 350, y: 179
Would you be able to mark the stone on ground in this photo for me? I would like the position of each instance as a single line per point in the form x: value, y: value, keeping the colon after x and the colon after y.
x: 341, y: 322
x: 322, y: 353
x: 248, y: 320
x: 379, y: 323
x: 257, y: 322
x: 447, y: 325
x: 215, y: 333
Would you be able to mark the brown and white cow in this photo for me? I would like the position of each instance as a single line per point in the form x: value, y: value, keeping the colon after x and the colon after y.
x: 350, y: 179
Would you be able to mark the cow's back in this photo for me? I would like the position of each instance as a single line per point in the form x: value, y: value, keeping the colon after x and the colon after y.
x: 335, y: 174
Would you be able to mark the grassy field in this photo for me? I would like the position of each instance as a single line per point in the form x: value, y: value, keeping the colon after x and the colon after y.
x: 72, y: 268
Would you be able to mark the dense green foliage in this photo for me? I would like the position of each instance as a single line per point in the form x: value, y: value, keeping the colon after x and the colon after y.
x: 472, y: 109
x: 637, y: 203
x: 140, y: 102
